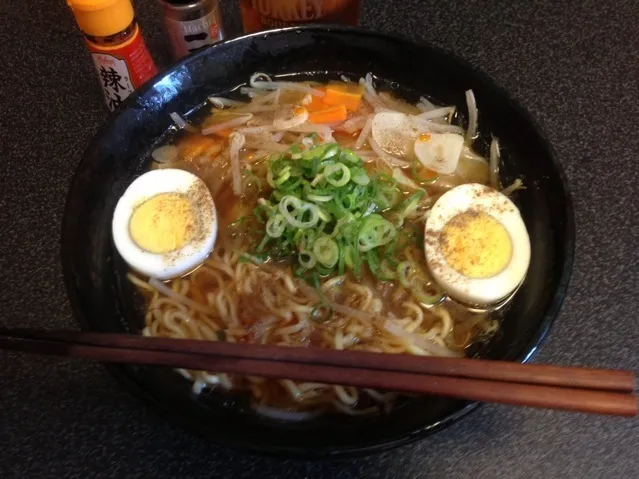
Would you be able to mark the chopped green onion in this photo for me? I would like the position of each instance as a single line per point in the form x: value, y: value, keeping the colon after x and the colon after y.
x: 269, y: 178
x: 330, y: 152
x: 236, y: 225
x: 411, y: 200
x: 323, y: 215
x: 324, y: 208
x: 402, y: 273
x: 386, y: 269
x: 314, y: 153
x: 319, y: 198
x: 359, y: 176
x: 428, y: 299
x: 306, y: 259
x: 252, y: 258
x: 261, y: 246
x: 275, y: 226
x: 374, y: 266
x: 418, y: 179
x: 299, y: 207
x: 295, y: 151
x: 376, y: 231
x: 261, y: 213
x: 416, y: 284
x: 340, y: 180
x: 348, y: 202
x: 352, y: 259
x: 326, y: 251
x: 254, y: 178
x: 341, y: 259
x: 348, y: 156
x: 408, y: 206
x: 316, y: 284
x: 323, y: 270
x: 290, y: 185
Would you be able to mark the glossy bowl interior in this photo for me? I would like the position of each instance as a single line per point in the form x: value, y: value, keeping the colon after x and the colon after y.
x: 103, y: 300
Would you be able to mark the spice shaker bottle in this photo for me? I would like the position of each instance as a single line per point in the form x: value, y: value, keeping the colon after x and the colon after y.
x: 263, y: 14
x: 191, y: 24
x: 113, y: 36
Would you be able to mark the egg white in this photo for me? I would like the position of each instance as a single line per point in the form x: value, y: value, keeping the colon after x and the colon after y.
x: 174, y: 263
x: 477, y: 291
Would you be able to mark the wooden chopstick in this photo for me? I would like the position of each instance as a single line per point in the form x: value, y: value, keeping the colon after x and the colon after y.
x: 576, y: 377
x: 490, y: 381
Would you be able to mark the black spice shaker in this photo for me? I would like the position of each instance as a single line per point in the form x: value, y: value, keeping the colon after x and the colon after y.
x: 191, y: 24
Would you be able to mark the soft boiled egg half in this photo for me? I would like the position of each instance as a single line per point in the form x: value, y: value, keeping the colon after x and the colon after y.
x: 476, y: 244
x: 165, y: 223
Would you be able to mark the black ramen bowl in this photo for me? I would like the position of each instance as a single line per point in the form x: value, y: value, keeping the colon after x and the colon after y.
x: 103, y: 300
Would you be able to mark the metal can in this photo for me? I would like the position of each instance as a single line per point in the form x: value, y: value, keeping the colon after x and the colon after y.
x: 191, y: 24
x: 262, y: 14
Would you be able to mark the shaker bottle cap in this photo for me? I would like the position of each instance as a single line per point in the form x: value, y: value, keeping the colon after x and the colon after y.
x: 102, y: 18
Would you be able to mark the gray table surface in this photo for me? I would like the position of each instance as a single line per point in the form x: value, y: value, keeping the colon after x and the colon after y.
x: 573, y: 64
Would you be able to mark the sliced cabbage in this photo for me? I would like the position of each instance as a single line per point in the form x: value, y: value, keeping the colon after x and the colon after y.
x: 394, y: 132
x: 439, y: 152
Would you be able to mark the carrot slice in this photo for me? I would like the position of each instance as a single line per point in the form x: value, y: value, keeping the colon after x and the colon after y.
x: 329, y: 115
x: 316, y: 103
x: 344, y: 94
x: 194, y: 146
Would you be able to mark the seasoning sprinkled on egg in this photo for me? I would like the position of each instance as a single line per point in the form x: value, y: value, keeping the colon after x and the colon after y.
x: 163, y: 223
x: 476, y: 245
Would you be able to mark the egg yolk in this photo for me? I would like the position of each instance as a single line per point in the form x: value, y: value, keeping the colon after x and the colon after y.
x: 163, y: 223
x: 476, y: 245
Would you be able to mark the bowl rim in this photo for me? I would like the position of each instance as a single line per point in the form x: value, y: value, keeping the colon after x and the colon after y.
x: 420, y: 432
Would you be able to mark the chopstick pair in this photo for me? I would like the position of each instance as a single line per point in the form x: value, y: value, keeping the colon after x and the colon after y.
x: 598, y: 391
